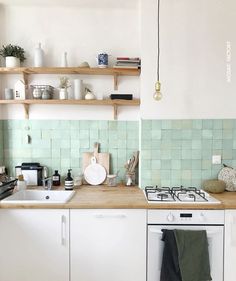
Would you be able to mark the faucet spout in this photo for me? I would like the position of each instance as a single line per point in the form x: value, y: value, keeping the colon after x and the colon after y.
x: 47, y: 183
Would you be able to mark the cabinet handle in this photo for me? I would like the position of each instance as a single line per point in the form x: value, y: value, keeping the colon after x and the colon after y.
x: 106, y: 216
x: 63, y: 230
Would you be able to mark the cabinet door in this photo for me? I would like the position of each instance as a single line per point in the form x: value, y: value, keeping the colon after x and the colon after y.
x: 230, y: 245
x: 108, y: 245
x: 34, y: 245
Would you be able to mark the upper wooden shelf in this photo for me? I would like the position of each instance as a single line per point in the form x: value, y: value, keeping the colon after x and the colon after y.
x: 71, y: 70
x: 115, y: 72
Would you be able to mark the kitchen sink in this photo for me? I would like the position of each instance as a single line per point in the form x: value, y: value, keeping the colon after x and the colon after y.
x: 39, y: 197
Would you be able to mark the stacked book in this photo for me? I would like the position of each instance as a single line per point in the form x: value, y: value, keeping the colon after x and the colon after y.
x: 126, y: 62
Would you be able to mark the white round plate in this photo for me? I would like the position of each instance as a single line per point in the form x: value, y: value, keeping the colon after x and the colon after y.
x: 95, y: 174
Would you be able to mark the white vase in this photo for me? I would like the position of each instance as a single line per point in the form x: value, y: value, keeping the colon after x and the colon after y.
x: 63, y: 94
x: 38, y: 56
x: 12, y: 62
x: 78, y: 89
x: 64, y: 60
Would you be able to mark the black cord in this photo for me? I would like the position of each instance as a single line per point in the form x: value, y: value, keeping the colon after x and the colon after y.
x: 158, y: 38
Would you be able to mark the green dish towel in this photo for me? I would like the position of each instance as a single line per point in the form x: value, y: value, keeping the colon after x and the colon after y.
x: 193, y: 255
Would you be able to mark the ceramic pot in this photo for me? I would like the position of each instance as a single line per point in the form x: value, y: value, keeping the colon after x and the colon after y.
x: 102, y: 60
x: 12, y: 62
x: 63, y: 94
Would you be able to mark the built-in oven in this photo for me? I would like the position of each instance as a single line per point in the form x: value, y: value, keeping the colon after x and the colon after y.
x: 210, y: 220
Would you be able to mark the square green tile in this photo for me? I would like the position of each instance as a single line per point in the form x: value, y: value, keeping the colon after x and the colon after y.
x: 207, y: 124
x: 228, y: 124
x: 217, y: 124
x: 175, y: 164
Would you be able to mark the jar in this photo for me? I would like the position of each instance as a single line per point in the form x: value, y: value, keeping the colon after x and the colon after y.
x: 78, y: 180
x: 37, y: 93
x: 46, y: 95
x: 111, y: 180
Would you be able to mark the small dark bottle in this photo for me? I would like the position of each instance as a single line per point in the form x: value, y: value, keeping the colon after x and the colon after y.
x: 56, y: 179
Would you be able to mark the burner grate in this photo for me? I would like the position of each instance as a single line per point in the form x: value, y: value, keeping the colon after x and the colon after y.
x: 175, y: 194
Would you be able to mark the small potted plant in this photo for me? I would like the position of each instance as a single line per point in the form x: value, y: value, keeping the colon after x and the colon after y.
x: 13, y: 55
x: 64, y: 84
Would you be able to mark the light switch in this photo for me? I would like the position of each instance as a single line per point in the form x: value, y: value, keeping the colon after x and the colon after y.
x: 216, y: 159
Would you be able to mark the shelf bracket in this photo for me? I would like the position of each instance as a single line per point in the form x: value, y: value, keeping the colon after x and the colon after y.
x: 26, y: 108
x: 26, y: 79
x: 115, y: 81
x: 115, y: 108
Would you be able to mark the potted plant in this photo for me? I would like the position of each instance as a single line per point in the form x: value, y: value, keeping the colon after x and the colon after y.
x: 13, y: 55
x: 64, y: 84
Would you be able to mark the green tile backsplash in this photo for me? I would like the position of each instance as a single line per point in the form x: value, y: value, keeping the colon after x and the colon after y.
x: 60, y: 144
x: 175, y: 152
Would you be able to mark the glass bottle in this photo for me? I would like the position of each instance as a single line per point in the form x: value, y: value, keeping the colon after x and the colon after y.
x: 56, y: 179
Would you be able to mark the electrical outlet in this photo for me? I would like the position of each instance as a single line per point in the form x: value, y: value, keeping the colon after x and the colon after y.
x: 216, y: 159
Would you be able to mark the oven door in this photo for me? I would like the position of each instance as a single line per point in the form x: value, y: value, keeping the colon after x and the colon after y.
x: 215, y: 235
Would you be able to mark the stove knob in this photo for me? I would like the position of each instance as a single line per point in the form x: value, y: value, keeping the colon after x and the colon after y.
x: 170, y: 217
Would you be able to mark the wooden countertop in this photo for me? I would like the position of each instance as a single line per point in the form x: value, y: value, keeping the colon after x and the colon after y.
x: 103, y: 197
x: 227, y: 198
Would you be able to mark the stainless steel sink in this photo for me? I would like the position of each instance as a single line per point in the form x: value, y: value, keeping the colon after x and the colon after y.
x: 39, y: 197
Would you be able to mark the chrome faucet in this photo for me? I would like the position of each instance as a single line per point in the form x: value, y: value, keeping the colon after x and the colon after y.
x: 47, y: 183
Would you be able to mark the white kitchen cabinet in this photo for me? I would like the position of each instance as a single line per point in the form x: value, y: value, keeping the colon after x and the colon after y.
x: 230, y: 246
x: 34, y: 245
x: 108, y: 245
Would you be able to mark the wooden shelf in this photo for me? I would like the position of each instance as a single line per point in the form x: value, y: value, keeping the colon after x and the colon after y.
x: 115, y: 72
x: 114, y: 103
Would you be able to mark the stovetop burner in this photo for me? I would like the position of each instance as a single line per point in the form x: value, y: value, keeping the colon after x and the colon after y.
x: 177, y: 194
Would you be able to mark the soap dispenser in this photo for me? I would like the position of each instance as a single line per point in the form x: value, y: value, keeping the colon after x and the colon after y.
x: 69, y: 182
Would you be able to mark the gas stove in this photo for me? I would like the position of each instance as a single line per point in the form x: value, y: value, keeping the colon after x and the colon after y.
x: 179, y: 194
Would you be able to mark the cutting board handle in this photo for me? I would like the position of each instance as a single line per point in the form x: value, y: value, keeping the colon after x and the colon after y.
x: 96, y: 149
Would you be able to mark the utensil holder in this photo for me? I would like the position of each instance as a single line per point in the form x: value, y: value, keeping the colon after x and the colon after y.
x: 130, y: 179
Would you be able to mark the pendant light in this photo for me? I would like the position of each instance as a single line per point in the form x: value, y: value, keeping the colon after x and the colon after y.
x: 158, y: 95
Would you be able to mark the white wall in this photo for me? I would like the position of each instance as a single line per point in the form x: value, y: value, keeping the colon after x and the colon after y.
x: 193, y: 59
x: 193, y: 52
x: 83, y: 29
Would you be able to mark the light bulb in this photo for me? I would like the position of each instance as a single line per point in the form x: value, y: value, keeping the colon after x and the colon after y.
x: 157, y: 95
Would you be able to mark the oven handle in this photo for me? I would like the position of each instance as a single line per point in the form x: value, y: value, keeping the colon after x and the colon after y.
x: 158, y: 231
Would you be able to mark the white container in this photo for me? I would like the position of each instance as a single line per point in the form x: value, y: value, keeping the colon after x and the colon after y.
x: 12, y: 62
x: 38, y: 56
x: 90, y: 96
x: 78, y: 89
x: 21, y: 183
x: 63, y: 94
x: 19, y: 90
x: 64, y: 60
x: 78, y: 180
